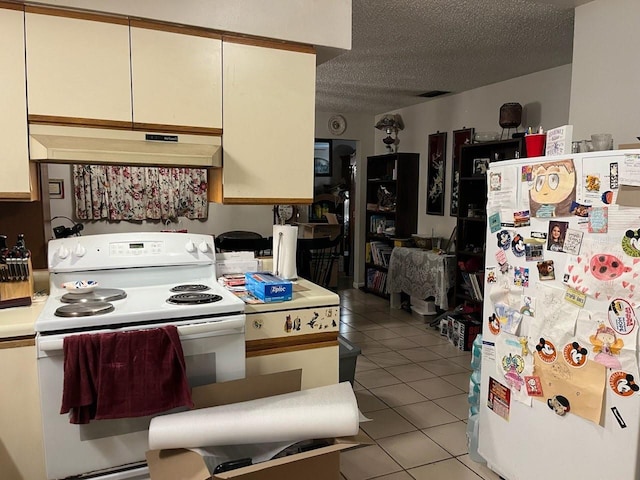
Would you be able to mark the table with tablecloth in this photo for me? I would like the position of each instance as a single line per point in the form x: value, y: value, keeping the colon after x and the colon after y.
x: 420, y: 273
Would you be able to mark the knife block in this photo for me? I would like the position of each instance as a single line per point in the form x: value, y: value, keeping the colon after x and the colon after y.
x: 17, y: 294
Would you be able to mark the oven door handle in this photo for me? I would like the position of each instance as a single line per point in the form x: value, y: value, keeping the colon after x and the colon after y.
x: 229, y: 326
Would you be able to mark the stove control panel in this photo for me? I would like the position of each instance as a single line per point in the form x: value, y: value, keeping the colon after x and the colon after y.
x: 132, y: 249
x: 125, y: 250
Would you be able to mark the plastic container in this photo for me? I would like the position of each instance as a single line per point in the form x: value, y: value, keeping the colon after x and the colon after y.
x: 473, y: 428
x: 348, y: 358
x: 476, y: 353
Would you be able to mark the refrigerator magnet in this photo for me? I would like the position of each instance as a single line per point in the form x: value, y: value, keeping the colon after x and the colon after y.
x: 534, y: 386
x: 517, y: 245
x: 575, y: 354
x: 623, y: 384
x: 622, y: 316
x: 504, y: 239
x: 559, y: 404
x: 546, y: 351
x: 631, y: 243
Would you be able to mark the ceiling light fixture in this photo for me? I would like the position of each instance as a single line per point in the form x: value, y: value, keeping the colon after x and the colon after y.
x: 391, y: 124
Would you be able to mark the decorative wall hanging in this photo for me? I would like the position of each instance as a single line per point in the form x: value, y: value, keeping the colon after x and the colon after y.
x: 460, y: 137
x: 436, y: 162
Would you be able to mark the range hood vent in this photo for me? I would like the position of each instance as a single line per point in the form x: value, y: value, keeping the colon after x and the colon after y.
x: 99, y: 146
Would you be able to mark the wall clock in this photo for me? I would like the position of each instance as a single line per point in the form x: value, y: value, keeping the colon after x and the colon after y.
x: 337, y: 125
x: 284, y: 213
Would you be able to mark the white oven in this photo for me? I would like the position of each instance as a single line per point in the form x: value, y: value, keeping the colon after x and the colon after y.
x: 211, y: 334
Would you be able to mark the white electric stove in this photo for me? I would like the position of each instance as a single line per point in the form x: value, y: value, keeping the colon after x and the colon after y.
x: 144, y: 280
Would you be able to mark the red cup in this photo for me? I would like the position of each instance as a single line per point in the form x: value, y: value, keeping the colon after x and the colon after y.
x: 535, y: 144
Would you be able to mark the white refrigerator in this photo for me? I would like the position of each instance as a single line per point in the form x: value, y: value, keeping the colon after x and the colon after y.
x: 560, y: 395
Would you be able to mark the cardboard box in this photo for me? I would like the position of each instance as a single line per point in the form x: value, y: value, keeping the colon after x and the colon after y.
x: 268, y: 288
x: 319, y: 464
x: 318, y: 230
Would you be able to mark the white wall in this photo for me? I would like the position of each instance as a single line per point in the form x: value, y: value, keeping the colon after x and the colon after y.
x: 316, y: 22
x: 606, y: 73
x: 545, y: 100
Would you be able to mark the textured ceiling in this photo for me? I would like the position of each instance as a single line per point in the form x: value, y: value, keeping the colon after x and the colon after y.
x: 402, y: 48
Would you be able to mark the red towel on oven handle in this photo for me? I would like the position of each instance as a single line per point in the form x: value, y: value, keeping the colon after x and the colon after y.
x: 132, y: 374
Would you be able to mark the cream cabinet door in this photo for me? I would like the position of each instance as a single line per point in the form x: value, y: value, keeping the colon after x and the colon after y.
x: 15, y: 181
x: 176, y: 78
x: 21, y: 455
x: 268, y: 104
x: 78, y: 67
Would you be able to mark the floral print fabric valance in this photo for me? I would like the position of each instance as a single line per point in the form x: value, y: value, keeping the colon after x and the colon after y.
x: 116, y: 192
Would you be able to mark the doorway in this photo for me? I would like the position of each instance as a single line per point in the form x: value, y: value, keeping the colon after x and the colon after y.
x: 334, y: 192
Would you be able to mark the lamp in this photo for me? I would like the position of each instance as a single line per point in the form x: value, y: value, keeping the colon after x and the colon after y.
x: 390, y: 124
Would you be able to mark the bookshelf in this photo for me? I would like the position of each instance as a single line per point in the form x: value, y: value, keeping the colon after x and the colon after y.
x: 392, y: 211
x: 472, y: 216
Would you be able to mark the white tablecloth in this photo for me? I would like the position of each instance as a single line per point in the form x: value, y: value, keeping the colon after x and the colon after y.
x: 421, y: 273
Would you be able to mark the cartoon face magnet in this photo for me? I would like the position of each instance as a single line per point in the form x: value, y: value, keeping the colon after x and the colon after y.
x: 631, y: 243
x: 575, y: 354
x: 623, y: 384
x: 559, y: 404
x: 504, y: 239
x: 546, y: 351
x: 517, y: 245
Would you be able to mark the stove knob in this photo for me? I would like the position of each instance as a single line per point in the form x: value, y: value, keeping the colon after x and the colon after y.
x: 63, y: 252
x: 80, y: 251
x: 203, y: 247
x: 190, y: 246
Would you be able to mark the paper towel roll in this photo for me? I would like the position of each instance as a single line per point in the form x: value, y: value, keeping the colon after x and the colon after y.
x: 322, y: 412
x: 285, y: 242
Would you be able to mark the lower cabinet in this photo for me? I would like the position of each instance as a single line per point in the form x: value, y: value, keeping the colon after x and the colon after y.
x: 305, y: 338
x: 21, y: 451
x: 319, y: 365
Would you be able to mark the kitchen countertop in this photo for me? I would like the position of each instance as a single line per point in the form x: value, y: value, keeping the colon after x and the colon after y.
x: 18, y: 321
x: 305, y: 295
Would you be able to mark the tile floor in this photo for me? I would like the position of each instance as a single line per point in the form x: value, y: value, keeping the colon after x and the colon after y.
x: 413, y: 385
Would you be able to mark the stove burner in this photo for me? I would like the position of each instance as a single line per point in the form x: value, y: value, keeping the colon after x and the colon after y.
x: 87, y: 309
x: 98, y: 295
x: 198, y: 287
x: 193, y: 298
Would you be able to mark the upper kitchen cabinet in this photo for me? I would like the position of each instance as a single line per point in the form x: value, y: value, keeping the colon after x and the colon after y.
x: 78, y: 68
x: 268, y: 103
x: 18, y: 180
x: 176, y: 78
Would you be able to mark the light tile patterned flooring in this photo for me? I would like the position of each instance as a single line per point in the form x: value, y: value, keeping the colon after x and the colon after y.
x: 413, y: 385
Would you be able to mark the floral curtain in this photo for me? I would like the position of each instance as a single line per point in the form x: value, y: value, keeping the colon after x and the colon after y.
x: 139, y: 193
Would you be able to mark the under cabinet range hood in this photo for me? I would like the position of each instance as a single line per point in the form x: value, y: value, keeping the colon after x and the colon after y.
x: 58, y: 144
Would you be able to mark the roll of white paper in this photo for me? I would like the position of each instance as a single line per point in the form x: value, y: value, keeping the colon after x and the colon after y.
x: 285, y: 242
x: 322, y: 412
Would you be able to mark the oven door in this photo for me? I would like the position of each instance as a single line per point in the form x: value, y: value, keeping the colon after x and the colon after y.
x: 214, y: 351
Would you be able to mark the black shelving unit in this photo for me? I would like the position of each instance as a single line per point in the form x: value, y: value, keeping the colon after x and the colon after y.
x: 472, y: 216
x: 398, y: 174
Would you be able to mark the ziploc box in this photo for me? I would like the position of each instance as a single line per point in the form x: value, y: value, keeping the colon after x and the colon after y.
x: 267, y: 287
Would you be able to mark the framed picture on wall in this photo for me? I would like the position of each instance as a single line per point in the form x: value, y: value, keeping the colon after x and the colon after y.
x: 322, y: 161
x: 436, y: 173
x: 460, y: 138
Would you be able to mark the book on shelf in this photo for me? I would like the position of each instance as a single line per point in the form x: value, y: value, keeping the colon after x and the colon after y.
x: 376, y: 280
x: 380, y: 253
x: 473, y: 284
